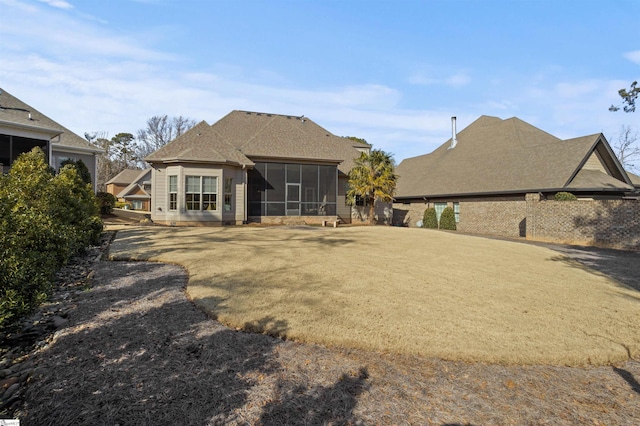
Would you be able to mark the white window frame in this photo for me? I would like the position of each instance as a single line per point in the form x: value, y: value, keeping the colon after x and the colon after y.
x: 192, y: 198
x: 439, y: 209
x: 209, y: 197
x: 228, y: 194
x: 173, y: 193
x: 205, y: 198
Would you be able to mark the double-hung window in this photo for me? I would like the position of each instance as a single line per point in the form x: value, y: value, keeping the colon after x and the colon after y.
x: 228, y: 185
x: 173, y: 192
x: 439, y: 209
x: 209, y: 193
x: 192, y: 191
x: 201, y: 192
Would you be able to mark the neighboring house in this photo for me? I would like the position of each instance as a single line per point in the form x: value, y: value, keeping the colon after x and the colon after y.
x: 132, y: 187
x: 23, y: 128
x: 255, y: 167
x: 486, y: 171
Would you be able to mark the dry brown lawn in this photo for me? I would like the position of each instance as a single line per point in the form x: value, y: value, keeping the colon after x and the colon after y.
x: 400, y: 290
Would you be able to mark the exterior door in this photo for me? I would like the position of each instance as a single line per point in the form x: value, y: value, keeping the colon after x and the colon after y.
x: 293, y: 199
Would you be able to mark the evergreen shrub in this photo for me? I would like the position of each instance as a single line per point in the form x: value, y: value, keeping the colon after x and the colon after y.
x: 107, y: 202
x: 430, y: 219
x: 565, y: 196
x: 44, y: 220
x: 448, y: 219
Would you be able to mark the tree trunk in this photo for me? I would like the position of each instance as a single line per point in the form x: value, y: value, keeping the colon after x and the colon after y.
x: 372, y: 211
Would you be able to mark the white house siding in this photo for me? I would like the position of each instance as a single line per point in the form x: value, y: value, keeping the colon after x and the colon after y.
x: 160, y: 212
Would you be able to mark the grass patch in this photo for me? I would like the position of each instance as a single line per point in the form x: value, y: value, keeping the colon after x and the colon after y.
x: 400, y: 290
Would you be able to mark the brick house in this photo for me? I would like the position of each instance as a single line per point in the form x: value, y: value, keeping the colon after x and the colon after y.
x: 132, y: 187
x: 23, y: 128
x: 486, y: 171
x: 253, y: 167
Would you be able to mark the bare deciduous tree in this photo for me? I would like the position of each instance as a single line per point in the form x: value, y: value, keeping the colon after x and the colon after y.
x: 160, y: 130
x: 106, y: 168
x: 626, y: 148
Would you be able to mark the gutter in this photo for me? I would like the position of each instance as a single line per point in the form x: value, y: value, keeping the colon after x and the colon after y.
x: 514, y: 192
x: 76, y: 149
x: 54, y: 132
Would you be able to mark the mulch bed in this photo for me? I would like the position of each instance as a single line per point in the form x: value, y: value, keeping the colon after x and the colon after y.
x: 136, y: 351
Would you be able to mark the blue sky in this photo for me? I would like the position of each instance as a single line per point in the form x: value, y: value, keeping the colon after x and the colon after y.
x: 392, y: 72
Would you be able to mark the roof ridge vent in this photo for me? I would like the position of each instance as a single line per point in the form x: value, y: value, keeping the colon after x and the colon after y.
x: 454, y: 133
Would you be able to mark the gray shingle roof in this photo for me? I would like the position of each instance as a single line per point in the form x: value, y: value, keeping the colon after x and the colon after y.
x: 126, y: 176
x: 15, y: 112
x: 200, y: 144
x: 243, y: 136
x: 635, y: 179
x: 500, y: 156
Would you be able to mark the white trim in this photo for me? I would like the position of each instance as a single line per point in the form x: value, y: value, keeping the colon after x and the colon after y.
x: 54, y: 132
x: 76, y: 149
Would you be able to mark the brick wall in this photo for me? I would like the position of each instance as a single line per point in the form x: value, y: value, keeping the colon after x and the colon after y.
x: 602, y: 223
x: 490, y: 216
x: 501, y: 217
x: 408, y: 214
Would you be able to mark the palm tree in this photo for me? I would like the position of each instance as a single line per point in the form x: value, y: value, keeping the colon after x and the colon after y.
x: 372, y: 179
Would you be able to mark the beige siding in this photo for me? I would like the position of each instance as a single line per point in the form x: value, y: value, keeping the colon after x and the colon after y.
x: 159, y: 203
x: 594, y: 163
x: 342, y: 209
x: 240, y: 188
x: 236, y: 215
x: 181, y: 216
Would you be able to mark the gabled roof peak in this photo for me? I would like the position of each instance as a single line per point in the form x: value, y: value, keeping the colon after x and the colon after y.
x: 495, y: 155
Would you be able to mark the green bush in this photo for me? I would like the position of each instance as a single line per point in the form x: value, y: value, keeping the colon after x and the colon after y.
x: 80, y: 167
x: 565, y: 196
x: 44, y: 220
x: 430, y: 219
x: 448, y: 219
x: 106, y: 201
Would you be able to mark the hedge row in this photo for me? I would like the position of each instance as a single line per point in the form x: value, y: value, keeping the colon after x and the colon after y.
x: 44, y: 220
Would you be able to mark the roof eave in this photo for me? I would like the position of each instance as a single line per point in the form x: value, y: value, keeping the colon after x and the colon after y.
x: 76, y: 149
x: 510, y: 192
x: 196, y: 161
x: 293, y: 159
x: 52, y: 132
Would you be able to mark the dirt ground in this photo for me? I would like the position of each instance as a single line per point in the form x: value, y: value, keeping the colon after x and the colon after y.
x: 399, y: 290
x: 136, y: 351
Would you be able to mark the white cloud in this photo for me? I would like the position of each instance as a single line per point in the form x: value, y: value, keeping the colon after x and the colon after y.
x: 24, y: 29
x: 91, y: 79
x: 456, y: 80
x: 633, y: 56
x: 60, y: 4
x: 579, y: 89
